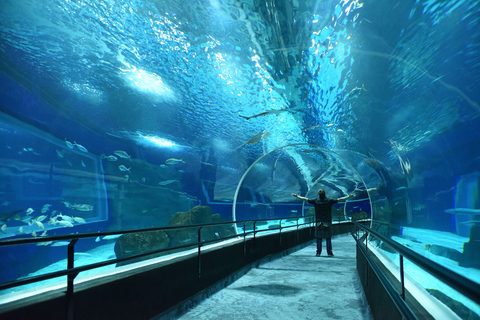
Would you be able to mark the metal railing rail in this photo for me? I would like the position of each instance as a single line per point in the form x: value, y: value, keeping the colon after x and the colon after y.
x: 74, y: 271
x: 463, y: 285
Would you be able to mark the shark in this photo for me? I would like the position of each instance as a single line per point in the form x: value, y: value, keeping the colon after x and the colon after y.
x: 273, y: 111
x: 255, y: 139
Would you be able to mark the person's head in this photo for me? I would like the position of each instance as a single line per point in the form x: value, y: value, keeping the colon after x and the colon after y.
x: 321, y: 193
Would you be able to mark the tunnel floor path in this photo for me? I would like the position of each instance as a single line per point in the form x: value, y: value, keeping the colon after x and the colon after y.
x: 297, y: 286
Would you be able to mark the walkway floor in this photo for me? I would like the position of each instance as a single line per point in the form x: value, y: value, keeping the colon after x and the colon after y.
x: 296, y: 286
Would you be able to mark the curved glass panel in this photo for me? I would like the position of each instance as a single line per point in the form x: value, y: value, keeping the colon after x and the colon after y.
x: 264, y: 191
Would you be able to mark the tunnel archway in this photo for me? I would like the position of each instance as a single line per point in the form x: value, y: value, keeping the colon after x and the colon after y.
x: 264, y: 190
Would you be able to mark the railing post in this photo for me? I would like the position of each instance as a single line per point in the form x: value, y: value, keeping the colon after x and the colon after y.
x: 280, y: 232
x: 70, y: 278
x: 244, y: 240
x: 366, y: 262
x: 298, y: 235
x: 199, y: 253
x: 402, y: 279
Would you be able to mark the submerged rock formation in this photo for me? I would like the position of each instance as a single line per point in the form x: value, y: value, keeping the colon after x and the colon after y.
x: 197, y: 215
x: 136, y: 243
x: 131, y: 244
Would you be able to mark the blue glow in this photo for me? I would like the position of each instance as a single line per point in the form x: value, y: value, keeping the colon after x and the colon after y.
x: 148, y: 82
x: 159, y: 141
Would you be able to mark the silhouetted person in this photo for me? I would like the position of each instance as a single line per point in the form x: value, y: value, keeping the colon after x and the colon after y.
x: 323, y: 218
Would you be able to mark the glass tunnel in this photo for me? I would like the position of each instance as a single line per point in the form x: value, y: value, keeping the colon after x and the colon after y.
x: 124, y: 115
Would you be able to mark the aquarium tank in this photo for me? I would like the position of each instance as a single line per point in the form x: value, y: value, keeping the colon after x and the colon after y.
x: 123, y: 115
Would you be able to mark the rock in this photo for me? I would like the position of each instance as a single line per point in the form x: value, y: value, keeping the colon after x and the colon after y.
x: 197, y: 215
x: 136, y: 243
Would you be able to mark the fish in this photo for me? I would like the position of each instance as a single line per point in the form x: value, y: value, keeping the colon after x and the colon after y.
x: 401, y: 188
x: 123, y: 168
x: 166, y: 182
x: 112, y: 237
x: 46, y: 243
x: 123, y: 154
x: 83, y: 164
x: 52, y: 221
x: 3, y: 228
x: 82, y: 207
x: 27, y: 219
x: 97, y: 239
x: 34, y: 234
x: 17, y: 217
x: 69, y: 144
x: 255, y: 139
x: 39, y: 224
x: 79, y: 207
x: 29, y: 211
x: 258, y: 137
x: 59, y: 153
x: 80, y: 147
x: 357, y: 89
x: 66, y: 218
x: 312, y: 127
x: 46, y: 207
x: 173, y: 161
x: 20, y: 230
x: 274, y: 111
x: 41, y: 218
x: 44, y: 234
x: 60, y: 243
x: 110, y: 158
x: 6, y: 215
x: 65, y: 223
x: 79, y: 220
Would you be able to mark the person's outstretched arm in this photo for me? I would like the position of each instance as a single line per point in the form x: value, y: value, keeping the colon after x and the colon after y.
x: 352, y: 195
x: 299, y: 197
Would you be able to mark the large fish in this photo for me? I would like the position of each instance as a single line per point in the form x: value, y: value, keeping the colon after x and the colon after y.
x: 173, y: 161
x: 123, y: 154
x: 274, y: 111
x: 6, y: 215
x: 255, y: 139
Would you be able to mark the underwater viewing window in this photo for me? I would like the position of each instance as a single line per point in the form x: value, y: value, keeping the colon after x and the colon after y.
x: 49, y: 186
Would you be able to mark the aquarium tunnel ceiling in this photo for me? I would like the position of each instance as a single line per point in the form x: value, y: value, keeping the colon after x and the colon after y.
x: 318, y: 86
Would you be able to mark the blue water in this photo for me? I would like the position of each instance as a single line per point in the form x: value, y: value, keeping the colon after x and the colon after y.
x: 253, y: 99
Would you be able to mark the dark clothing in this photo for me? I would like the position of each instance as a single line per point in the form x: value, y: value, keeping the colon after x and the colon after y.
x: 323, y: 209
x: 329, y: 246
x: 323, y: 216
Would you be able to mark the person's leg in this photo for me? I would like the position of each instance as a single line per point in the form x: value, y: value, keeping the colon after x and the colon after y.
x: 319, y: 246
x: 329, y: 247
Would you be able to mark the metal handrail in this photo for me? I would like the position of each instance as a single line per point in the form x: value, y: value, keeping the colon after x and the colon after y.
x: 397, y: 299
x: 10, y: 242
x: 465, y: 286
x: 75, y: 237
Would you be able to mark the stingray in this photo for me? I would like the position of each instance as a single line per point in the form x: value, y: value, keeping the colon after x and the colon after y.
x: 256, y: 138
